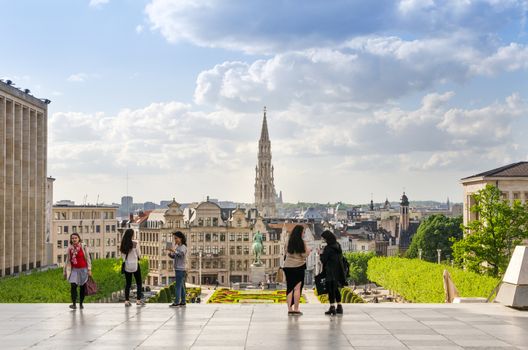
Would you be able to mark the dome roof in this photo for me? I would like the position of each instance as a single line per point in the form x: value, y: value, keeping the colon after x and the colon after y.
x: 404, y: 200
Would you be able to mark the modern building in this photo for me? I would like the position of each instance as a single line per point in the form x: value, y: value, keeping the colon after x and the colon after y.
x: 23, y: 138
x: 511, y: 180
x: 265, y: 194
x: 97, y: 226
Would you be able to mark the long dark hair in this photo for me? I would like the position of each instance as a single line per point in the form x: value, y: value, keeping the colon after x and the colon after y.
x: 181, y: 236
x: 75, y: 234
x: 126, y: 241
x: 296, y: 243
x: 329, y: 237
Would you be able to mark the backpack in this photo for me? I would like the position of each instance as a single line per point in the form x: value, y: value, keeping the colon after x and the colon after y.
x: 346, y: 266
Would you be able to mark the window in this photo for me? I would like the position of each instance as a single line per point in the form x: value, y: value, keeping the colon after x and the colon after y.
x: 215, y: 221
x: 222, y: 237
x: 63, y: 215
x: 232, y: 237
x: 207, y: 221
x: 56, y: 215
x: 65, y: 243
x: 87, y: 229
x: 200, y: 237
x: 208, y: 237
x: 246, y: 237
x: 65, y: 229
x: 59, y: 230
x: 80, y: 229
x: 193, y: 265
x: 98, y: 242
x: 97, y: 228
x: 200, y: 222
x: 239, y: 250
x: 193, y: 237
x: 215, y: 237
x: 74, y: 229
x: 107, y: 228
x: 232, y: 265
x: 108, y: 242
x: 59, y: 244
x: 246, y: 250
x: 113, y: 228
x: 239, y: 237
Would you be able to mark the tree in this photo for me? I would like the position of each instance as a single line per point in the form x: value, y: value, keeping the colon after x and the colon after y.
x: 358, y: 266
x: 490, y: 239
x: 435, y: 232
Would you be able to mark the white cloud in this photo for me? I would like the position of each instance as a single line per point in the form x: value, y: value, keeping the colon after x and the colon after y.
x: 139, y: 29
x: 82, y: 77
x: 97, y: 3
x: 365, y: 70
x: 259, y: 26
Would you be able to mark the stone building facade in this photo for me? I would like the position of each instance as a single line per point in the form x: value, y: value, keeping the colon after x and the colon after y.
x: 97, y: 226
x: 511, y: 180
x: 219, y: 245
x: 23, y: 137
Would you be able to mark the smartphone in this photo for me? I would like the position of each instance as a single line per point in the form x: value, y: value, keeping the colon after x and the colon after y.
x: 168, y: 245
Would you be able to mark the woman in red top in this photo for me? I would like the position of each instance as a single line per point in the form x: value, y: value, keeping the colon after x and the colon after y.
x: 77, y: 268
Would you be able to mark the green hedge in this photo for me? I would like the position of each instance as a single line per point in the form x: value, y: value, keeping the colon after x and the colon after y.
x: 348, y: 296
x: 167, y: 294
x: 51, y: 287
x: 422, y: 282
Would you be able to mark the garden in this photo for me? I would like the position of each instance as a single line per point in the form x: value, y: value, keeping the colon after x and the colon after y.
x: 51, y: 287
x: 420, y: 281
x: 230, y: 296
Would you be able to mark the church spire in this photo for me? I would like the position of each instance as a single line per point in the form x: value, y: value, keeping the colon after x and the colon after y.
x: 265, y: 195
x: 264, y: 136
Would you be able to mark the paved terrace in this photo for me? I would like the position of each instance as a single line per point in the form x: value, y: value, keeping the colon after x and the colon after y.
x: 210, y: 326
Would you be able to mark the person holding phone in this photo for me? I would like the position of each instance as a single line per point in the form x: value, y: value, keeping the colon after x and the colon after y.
x: 178, y: 253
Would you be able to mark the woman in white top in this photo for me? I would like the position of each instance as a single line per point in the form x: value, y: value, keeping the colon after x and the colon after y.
x: 294, y: 269
x: 131, y: 254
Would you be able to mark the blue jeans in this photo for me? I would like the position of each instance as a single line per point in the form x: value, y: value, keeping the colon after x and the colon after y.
x: 180, y: 287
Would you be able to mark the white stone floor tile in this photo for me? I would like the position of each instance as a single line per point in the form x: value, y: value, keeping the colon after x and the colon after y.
x: 210, y: 326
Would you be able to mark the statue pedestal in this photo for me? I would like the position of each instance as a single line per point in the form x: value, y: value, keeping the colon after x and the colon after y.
x: 257, y: 274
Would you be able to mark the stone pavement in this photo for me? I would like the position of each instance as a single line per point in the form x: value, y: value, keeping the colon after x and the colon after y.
x: 263, y: 326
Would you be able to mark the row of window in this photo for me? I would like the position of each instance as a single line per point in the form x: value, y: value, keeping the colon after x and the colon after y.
x: 84, y: 229
x: 62, y: 258
x: 83, y: 215
x: 89, y: 242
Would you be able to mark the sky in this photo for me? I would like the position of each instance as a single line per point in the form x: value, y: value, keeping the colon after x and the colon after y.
x: 164, y: 99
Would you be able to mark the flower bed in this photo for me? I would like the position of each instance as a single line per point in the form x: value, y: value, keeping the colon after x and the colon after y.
x: 229, y: 296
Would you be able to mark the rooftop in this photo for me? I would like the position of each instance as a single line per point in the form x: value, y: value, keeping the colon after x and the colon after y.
x: 519, y: 169
x: 252, y: 326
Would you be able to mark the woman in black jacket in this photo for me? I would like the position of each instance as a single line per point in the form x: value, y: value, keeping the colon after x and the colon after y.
x: 331, y: 258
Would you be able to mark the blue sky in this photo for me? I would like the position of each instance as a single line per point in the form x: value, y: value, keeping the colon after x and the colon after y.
x: 363, y: 96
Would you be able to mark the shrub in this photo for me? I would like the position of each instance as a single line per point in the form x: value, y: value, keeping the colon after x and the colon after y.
x: 50, y: 286
x: 422, y: 282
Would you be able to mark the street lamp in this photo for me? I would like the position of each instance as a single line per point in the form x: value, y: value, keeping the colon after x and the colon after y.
x: 420, y: 253
x: 438, y: 251
x: 200, y: 268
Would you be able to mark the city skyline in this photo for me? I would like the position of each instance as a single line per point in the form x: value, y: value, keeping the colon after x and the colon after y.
x: 160, y: 99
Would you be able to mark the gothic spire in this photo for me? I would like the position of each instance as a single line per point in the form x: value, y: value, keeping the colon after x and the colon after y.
x: 264, y: 136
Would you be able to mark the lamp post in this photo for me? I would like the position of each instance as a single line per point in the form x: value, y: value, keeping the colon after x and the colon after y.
x: 438, y: 251
x: 200, y: 268
x: 420, y: 253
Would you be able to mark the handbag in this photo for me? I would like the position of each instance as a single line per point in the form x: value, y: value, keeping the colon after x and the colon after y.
x: 279, y: 278
x: 91, y: 286
x: 320, y: 283
x: 123, y: 265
